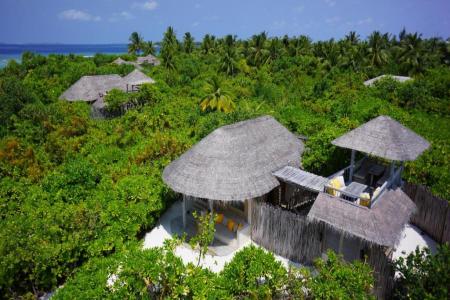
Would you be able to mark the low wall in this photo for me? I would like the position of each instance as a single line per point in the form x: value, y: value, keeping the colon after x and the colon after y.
x: 433, y: 213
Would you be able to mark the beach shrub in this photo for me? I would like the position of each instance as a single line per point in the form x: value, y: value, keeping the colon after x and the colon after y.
x: 422, y: 275
x: 115, y: 98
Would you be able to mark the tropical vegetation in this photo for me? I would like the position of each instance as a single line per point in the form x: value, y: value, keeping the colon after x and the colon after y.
x: 78, y: 194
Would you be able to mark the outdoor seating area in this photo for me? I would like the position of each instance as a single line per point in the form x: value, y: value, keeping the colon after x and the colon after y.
x: 380, y: 140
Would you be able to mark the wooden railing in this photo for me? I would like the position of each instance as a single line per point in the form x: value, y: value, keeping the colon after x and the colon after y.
x: 340, y: 193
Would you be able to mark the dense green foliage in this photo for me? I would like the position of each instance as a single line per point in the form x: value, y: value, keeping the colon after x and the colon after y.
x: 423, y: 275
x: 74, y: 190
x: 253, y: 273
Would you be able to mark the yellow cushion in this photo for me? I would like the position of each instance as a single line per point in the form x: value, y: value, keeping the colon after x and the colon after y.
x: 335, y: 183
x: 219, y: 218
x: 230, y: 225
x: 364, y: 199
x: 239, y: 227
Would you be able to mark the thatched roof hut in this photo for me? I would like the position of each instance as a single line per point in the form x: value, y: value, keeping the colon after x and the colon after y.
x: 149, y: 59
x: 136, y: 77
x: 372, y: 81
x: 382, y: 224
x: 119, y: 61
x: 235, y: 162
x: 90, y: 88
x: 384, y: 137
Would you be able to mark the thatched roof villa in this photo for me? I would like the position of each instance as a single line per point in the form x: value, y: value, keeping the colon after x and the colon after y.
x: 91, y: 88
x: 238, y: 166
x: 372, y: 81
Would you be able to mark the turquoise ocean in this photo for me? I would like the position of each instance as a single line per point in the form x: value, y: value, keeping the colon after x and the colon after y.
x: 14, y: 52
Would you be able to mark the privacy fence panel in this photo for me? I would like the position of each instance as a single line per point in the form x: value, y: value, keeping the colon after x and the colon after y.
x: 285, y: 233
x: 433, y: 213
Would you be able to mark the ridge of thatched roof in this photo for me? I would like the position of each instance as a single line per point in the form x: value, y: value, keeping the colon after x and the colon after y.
x: 119, y: 61
x: 136, y: 77
x: 372, y: 81
x: 382, y: 224
x: 235, y: 162
x: 88, y: 88
x: 150, y: 59
x: 384, y: 137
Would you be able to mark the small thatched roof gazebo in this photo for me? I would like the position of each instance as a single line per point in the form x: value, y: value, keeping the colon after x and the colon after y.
x: 235, y: 162
x: 136, y: 77
x: 382, y: 224
x: 384, y: 137
x: 91, y: 88
x: 149, y: 59
x: 372, y: 81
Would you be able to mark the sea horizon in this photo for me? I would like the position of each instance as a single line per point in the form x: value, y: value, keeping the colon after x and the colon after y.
x: 9, y: 51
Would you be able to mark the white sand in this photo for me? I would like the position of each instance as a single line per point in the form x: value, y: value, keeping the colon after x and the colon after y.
x: 162, y: 231
x: 413, y: 237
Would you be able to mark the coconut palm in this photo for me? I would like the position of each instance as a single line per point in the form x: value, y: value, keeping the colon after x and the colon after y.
x: 188, y: 42
x: 207, y: 44
x: 217, y: 98
x: 169, y: 47
x: 412, y: 53
x: 228, y: 57
x: 136, y: 42
x: 148, y: 48
x: 378, y: 55
x: 352, y: 37
x: 257, y: 53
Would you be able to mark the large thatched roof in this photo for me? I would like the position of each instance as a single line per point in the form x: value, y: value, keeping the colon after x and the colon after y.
x: 89, y: 88
x: 382, y: 224
x: 372, y: 81
x: 384, y: 137
x: 235, y: 162
x: 136, y: 77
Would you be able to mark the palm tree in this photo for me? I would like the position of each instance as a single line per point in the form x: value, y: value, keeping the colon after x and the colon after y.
x: 229, y: 57
x: 217, y: 98
x: 258, y: 53
x: 169, y: 47
x: 207, y: 44
x: 352, y: 37
x: 412, y: 53
x: 378, y: 55
x: 274, y: 48
x: 148, y: 48
x: 188, y: 42
x: 136, y: 42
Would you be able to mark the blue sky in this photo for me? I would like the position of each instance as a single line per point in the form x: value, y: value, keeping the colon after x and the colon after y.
x: 112, y: 21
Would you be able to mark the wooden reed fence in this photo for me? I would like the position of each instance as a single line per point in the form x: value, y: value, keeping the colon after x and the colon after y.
x: 285, y: 233
x: 433, y: 213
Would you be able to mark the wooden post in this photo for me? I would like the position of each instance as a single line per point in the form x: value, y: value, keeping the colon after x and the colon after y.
x: 184, y: 211
x: 392, y: 171
x: 341, y: 243
x: 249, y: 211
x: 352, y: 166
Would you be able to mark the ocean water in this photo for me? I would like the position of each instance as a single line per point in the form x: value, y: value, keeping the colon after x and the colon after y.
x: 14, y: 52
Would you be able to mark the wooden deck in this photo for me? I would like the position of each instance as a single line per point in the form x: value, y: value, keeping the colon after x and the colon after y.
x: 301, y: 178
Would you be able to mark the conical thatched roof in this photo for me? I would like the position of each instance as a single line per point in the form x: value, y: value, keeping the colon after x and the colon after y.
x: 119, y: 61
x: 137, y: 77
x: 88, y: 88
x: 382, y: 224
x: 235, y: 162
x: 384, y: 137
x: 370, y: 82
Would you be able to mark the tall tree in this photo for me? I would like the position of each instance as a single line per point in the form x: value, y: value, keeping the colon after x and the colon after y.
x: 378, y: 55
x: 148, y: 48
x: 258, y: 52
x: 188, y: 42
x: 412, y: 54
x: 136, y: 43
x: 169, y: 47
x: 228, y: 56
